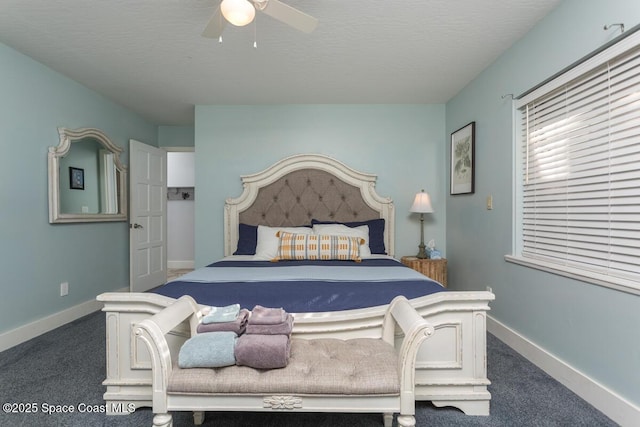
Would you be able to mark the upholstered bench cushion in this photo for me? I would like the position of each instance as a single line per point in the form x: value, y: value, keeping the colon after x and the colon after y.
x: 361, y: 366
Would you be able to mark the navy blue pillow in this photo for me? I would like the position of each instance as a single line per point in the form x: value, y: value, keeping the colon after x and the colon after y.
x: 376, y: 232
x: 247, y: 239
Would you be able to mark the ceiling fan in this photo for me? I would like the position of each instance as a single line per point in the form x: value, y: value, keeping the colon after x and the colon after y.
x: 242, y: 12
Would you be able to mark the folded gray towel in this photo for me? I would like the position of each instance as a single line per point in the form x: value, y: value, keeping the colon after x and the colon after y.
x: 238, y: 326
x: 222, y: 314
x: 267, y: 316
x: 283, y: 328
x: 210, y: 350
x: 263, y: 351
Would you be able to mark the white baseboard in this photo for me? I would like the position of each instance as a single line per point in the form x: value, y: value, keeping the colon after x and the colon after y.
x: 38, y: 327
x: 181, y: 264
x: 606, y: 401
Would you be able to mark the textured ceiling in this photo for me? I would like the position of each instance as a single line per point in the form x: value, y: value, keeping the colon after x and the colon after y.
x: 149, y: 56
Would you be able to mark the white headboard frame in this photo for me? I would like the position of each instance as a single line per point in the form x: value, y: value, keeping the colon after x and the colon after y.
x: 254, y: 182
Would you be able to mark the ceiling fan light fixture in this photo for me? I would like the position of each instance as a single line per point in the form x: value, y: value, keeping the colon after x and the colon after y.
x: 238, y: 12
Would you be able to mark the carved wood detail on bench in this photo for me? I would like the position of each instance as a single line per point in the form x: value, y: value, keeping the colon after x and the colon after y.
x: 282, y: 402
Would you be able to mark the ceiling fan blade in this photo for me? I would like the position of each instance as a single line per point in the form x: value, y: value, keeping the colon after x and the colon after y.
x: 290, y: 16
x: 215, y: 26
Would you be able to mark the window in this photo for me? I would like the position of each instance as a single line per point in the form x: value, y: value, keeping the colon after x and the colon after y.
x: 578, y: 199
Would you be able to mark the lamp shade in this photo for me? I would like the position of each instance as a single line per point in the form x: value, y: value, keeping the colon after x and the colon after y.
x: 422, y: 203
x: 238, y: 12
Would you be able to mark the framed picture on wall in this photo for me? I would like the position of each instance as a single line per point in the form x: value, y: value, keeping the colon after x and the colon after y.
x: 463, y: 159
x: 76, y: 178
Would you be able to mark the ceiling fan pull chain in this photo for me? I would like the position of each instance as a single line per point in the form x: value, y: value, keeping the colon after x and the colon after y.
x: 255, y: 33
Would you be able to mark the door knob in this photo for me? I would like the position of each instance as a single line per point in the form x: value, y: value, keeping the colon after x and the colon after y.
x: 136, y: 225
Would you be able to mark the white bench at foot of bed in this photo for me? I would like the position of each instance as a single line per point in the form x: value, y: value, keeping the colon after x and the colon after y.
x: 450, y: 366
x: 323, y: 374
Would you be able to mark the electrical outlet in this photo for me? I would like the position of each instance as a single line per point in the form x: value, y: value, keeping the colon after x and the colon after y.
x: 64, y: 289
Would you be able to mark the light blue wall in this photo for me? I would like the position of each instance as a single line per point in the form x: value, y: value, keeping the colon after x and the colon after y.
x: 175, y: 136
x: 35, y: 256
x: 594, y: 329
x: 402, y: 144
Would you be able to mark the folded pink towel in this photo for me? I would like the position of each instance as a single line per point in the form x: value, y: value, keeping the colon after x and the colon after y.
x: 267, y: 316
x: 238, y: 326
x: 283, y: 328
x: 263, y: 351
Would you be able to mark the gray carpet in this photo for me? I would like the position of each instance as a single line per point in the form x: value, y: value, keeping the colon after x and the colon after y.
x: 66, y: 367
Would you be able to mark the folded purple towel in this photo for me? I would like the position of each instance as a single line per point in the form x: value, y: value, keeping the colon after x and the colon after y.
x: 267, y: 316
x: 238, y: 326
x: 283, y: 328
x: 263, y: 351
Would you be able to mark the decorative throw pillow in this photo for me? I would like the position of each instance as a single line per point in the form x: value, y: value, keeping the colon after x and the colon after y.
x: 342, y: 230
x: 295, y: 246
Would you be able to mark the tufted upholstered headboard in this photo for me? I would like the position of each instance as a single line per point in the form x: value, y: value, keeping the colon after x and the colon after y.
x: 301, y: 187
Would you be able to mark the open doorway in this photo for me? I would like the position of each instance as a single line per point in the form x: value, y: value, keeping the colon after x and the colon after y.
x: 180, y: 211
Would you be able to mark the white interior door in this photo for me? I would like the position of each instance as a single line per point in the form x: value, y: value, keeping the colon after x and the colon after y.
x: 148, y: 216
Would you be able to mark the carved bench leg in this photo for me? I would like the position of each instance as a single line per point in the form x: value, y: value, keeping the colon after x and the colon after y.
x: 469, y: 407
x: 387, y: 419
x: 198, y: 417
x: 162, y: 420
x: 406, y: 420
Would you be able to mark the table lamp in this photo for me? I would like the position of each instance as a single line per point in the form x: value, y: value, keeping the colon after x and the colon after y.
x: 422, y: 205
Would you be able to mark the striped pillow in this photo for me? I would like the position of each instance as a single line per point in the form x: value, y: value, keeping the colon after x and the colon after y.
x: 318, y: 247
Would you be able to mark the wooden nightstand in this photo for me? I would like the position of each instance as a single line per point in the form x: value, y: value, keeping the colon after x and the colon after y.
x: 435, y: 269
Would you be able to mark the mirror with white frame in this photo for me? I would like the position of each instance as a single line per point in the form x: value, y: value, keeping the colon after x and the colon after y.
x: 87, y: 182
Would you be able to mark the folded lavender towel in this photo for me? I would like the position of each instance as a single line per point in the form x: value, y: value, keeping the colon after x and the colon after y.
x: 238, y: 325
x: 267, y: 316
x: 222, y: 314
x: 283, y: 328
x: 263, y: 351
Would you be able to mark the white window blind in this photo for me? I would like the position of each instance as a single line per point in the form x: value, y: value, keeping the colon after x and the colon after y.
x: 580, y: 189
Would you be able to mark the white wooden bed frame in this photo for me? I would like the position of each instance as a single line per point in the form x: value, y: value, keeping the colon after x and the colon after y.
x: 450, y: 368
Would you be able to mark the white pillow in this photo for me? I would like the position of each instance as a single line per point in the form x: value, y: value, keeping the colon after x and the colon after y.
x: 268, y: 243
x: 343, y: 230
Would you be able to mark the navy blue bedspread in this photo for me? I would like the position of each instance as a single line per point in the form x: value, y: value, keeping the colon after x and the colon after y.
x: 301, y: 297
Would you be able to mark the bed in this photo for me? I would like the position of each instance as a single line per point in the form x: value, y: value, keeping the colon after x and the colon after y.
x: 312, y: 191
